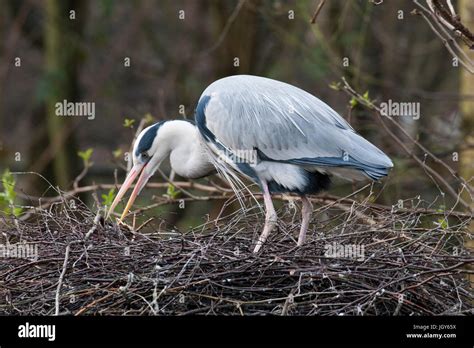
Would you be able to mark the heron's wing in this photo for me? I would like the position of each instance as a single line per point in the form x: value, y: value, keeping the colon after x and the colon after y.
x: 284, y: 123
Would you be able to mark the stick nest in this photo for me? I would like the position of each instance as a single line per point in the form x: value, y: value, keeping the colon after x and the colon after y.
x: 414, y: 263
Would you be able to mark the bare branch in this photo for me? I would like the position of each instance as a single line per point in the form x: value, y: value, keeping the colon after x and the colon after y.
x: 318, y: 9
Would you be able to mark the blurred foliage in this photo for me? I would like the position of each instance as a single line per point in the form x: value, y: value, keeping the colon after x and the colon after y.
x: 443, y: 223
x: 171, y: 192
x: 108, y: 198
x: 8, y: 196
x: 117, y: 153
x: 86, y: 156
x: 128, y: 123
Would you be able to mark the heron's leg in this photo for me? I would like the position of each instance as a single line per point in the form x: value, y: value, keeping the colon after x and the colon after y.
x: 305, y: 217
x: 270, y: 217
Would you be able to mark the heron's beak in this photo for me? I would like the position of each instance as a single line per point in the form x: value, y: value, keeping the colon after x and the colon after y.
x: 142, y: 180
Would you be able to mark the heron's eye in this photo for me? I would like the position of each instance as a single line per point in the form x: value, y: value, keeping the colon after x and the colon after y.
x: 145, y: 156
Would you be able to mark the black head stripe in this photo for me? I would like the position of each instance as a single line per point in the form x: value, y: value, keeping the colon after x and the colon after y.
x: 147, y: 139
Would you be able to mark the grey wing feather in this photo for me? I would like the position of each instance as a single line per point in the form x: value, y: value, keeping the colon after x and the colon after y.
x: 286, y: 124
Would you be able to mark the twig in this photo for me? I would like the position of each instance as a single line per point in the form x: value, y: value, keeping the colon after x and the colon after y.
x: 447, y: 22
x: 348, y: 89
x: 61, y: 277
x: 318, y: 9
x: 94, y: 226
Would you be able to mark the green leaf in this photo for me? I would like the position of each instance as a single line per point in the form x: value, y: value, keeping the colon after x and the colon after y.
x: 9, y: 186
x: 8, y: 182
x: 86, y: 156
x: 171, y: 192
x: 117, y: 153
x: 8, y: 196
x: 17, y: 211
x: 443, y: 223
x: 108, y: 198
x: 335, y: 85
x: 353, y: 102
x: 366, y: 96
x: 128, y: 122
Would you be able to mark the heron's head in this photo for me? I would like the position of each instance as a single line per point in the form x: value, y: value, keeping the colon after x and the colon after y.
x: 148, y: 153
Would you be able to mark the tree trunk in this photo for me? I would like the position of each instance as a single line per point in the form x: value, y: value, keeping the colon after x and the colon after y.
x: 62, y: 34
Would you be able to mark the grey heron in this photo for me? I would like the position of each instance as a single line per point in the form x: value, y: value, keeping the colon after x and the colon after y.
x: 275, y: 134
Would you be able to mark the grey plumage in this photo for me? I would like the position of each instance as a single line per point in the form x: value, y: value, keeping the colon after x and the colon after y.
x: 286, y: 125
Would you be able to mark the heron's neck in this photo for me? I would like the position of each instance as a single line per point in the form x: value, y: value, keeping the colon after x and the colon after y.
x: 188, y: 157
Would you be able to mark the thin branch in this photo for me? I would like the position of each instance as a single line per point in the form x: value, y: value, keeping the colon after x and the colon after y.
x: 446, y: 22
x: 61, y: 277
x: 348, y: 89
x: 318, y: 9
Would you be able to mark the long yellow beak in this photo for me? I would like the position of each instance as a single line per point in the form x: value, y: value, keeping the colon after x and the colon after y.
x: 142, y: 180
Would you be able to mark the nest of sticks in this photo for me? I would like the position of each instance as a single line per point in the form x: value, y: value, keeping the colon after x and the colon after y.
x: 409, y: 261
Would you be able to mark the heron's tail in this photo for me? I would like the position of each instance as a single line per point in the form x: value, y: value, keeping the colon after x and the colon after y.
x: 362, y: 158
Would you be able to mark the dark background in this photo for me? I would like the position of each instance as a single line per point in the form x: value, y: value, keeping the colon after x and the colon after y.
x: 392, y: 54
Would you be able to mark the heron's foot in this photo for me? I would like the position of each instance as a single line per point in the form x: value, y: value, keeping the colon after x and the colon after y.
x: 270, y: 223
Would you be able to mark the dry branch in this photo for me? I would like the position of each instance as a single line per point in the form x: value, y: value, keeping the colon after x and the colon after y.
x: 445, y: 23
